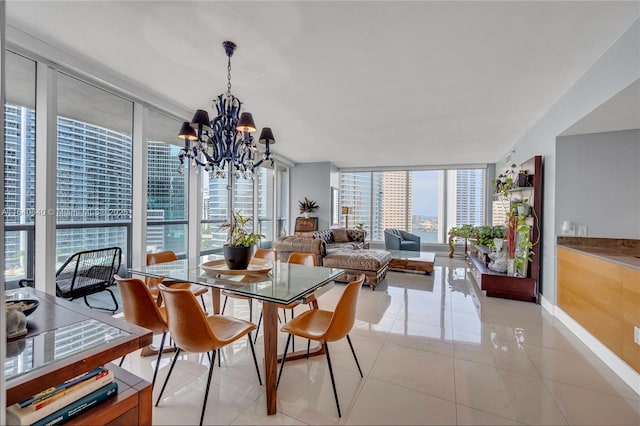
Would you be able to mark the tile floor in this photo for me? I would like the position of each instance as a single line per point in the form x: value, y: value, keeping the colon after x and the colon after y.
x: 433, y: 350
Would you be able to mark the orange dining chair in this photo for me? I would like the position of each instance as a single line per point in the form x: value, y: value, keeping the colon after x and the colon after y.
x: 327, y: 326
x: 193, y: 331
x: 298, y: 259
x: 152, y: 283
x: 139, y: 308
x: 260, y: 253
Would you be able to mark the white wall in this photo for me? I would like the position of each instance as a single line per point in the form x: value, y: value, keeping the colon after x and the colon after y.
x: 600, y: 179
x: 618, y: 67
x: 312, y: 180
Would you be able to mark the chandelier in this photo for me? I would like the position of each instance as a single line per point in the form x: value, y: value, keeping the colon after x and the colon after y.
x: 224, y: 145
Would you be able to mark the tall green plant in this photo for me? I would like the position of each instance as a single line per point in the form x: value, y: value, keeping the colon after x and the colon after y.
x: 237, y: 234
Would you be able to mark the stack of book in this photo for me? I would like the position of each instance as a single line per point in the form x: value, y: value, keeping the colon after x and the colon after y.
x: 65, y: 401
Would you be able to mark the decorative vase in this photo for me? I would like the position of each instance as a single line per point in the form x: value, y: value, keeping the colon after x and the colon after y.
x: 512, y: 223
x: 498, y: 243
x: 522, y: 181
x: 237, y: 257
x: 306, y: 215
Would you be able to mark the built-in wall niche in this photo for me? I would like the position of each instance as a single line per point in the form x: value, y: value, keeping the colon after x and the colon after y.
x: 597, y: 179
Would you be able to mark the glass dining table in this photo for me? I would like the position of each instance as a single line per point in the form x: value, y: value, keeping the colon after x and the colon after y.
x: 283, y: 284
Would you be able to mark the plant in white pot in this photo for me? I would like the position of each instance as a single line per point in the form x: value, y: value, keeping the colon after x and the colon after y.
x: 240, y: 242
x: 307, y: 207
x: 523, y: 207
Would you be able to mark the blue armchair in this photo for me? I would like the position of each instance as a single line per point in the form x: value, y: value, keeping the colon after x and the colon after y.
x: 396, y: 239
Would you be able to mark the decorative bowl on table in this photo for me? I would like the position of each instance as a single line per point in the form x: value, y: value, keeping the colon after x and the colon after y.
x: 256, y: 266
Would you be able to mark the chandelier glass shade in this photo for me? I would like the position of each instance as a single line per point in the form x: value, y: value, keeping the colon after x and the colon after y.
x: 224, y: 145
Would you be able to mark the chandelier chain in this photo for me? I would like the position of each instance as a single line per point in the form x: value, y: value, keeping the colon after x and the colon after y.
x: 229, y: 76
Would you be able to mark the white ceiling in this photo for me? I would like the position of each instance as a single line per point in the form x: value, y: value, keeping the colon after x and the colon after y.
x: 356, y: 83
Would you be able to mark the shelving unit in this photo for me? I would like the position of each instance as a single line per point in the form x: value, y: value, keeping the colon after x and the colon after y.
x: 499, y: 284
x: 132, y: 404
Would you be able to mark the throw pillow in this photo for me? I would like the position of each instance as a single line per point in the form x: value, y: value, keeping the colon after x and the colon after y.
x: 306, y: 234
x: 340, y: 235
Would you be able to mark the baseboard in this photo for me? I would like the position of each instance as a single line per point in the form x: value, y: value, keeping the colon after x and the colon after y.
x: 621, y: 368
x: 547, y: 306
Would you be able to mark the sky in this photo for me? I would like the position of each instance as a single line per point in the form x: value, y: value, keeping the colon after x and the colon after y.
x: 425, y: 192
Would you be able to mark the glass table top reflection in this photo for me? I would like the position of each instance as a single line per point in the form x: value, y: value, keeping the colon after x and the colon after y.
x: 28, y: 354
x: 284, y: 283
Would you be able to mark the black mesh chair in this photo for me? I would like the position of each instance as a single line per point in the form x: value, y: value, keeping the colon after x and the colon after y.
x: 86, y: 272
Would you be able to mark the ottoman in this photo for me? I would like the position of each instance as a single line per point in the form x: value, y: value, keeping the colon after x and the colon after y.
x: 373, y: 263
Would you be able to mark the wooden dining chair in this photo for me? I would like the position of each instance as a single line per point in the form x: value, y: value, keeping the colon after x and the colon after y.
x: 152, y: 283
x: 193, y: 331
x: 260, y: 253
x: 139, y: 308
x: 327, y: 326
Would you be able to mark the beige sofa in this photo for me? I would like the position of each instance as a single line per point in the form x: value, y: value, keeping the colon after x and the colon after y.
x: 353, y: 255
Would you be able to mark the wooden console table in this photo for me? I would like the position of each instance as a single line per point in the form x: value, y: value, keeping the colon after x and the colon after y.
x: 453, y: 235
x: 41, y: 358
x: 306, y: 224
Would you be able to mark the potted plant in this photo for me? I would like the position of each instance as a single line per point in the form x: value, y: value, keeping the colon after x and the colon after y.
x: 240, y: 242
x: 499, y: 232
x: 485, y: 235
x: 504, y: 182
x: 307, y: 207
x: 523, y: 207
x: 523, y: 253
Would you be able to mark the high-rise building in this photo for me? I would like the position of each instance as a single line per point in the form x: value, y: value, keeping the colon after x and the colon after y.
x: 166, y: 198
x: 19, y: 184
x: 166, y: 188
x: 469, y: 196
x: 93, y: 186
x: 365, y: 204
x: 397, y: 200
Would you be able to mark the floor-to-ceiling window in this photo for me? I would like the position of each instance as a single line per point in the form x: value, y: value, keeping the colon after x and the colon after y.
x: 424, y: 202
x: 282, y: 200
x: 215, y: 212
x: 94, y: 129
x: 94, y: 168
x: 356, y: 194
x: 167, y: 187
x: 467, y: 200
x: 425, y: 199
x: 243, y: 197
x: 19, y: 167
x: 265, y: 206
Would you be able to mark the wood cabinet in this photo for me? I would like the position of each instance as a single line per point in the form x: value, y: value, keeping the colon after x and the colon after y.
x: 604, y: 298
x: 306, y: 224
x: 34, y: 363
x: 500, y: 284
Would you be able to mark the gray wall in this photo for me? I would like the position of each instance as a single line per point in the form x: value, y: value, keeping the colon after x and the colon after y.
x: 617, y: 68
x: 598, y: 178
x: 312, y: 180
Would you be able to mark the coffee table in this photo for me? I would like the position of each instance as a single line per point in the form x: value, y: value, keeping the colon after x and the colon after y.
x: 418, y: 261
